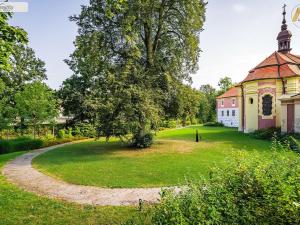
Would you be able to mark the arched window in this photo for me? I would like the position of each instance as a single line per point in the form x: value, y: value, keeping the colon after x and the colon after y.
x: 267, y: 105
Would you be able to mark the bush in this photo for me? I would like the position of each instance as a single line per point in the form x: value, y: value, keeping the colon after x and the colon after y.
x: 61, y: 133
x: 85, y: 130
x: 294, y: 144
x: 265, y: 134
x: 19, y: 144
x: 194, y: 121
x: 213, y: 124
x: 248, y: 191
x: 188, y: 122
x: 142, y: 142
x: 69, y: 133
x: 170, y: 124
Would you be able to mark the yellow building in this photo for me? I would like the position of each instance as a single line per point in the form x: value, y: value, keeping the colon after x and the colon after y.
x: 269, y: 92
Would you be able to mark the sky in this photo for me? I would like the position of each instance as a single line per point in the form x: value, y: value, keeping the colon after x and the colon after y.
x: 237, y: 36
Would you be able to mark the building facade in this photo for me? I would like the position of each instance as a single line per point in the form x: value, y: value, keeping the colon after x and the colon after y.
x: 228, y: 108
x: 268, y: 95
x: 290, y: 114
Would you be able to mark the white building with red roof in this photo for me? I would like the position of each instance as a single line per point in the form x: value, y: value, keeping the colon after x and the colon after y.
x: 228, y: 111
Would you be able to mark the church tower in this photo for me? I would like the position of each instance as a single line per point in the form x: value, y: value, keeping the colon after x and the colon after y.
x: 284, y: 36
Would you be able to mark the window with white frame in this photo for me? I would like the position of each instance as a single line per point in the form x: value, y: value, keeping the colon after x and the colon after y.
x: 222, y: 113
x: 233, y: 112
x: 227, y: 112
x: 222, y: 102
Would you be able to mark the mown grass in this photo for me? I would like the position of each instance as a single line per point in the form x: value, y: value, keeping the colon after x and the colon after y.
x: 173, y: 158
x: 19, y: 207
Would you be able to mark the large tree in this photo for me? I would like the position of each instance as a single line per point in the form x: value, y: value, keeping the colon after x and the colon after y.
x: 36, y: 104
x: 129, y: 54
x: 26, y: 67
x: 9, y: 36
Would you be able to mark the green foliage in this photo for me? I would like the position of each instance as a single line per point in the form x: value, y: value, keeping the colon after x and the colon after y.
x: 207, y: 106
x: 7, y: 112
x: 9, y: 37
x: 36, y: 104
x: 19, y: 144
x: 27, y: 67
x: 85, y: 130
x: 143, y: 141
x: 265, y: 134
x: 225, y: 84
x: 61, y: 133
x: 213, y: 124
x: 69, y: 132
x: 131, y: 59
x: 294, y: 144
x: 170, y: 123
x: 247, y: 191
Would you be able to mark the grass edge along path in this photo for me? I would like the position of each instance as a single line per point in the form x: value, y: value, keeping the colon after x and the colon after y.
x: 21, y: 207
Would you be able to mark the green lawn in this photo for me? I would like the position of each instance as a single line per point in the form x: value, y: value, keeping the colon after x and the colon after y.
x: 19, y: 207
x: 173, y: 158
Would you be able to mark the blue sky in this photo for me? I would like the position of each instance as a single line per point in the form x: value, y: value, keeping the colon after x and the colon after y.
x: 238, y: 35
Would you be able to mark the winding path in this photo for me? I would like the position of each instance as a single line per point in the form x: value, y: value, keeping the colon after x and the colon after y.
x: 20, y: 172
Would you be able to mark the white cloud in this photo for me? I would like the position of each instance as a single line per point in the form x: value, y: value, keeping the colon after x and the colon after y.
x: 239, y: 8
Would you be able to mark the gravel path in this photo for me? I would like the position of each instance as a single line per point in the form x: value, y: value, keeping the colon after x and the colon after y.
x: 21, y: 173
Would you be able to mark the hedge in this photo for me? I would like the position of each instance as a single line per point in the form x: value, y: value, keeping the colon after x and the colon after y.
x: 19, y: 144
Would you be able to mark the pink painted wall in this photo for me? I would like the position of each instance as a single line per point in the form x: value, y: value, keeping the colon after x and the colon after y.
x: 266, y: 123
x: 227, y: 103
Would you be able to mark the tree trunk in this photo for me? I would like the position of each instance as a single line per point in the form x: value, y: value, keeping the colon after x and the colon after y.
x: 149, y: 45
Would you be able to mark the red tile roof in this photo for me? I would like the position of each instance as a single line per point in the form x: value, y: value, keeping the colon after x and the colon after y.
x: 277, y: 65
x: 232, y: 92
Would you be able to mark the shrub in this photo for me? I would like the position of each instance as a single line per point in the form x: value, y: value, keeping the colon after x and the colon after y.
x: 265, y: 134
x: 76, y: 132
x: 170, y: 124
x: 194, y: 121
x: 213, y: 124
x: 85, y: 130
x: 69, y: 133
x: 188, y: 122
x: 48, y: 137
x: 247, y: 191
x: 19, y: 144
x: 294, y: 144
x: 142, y: 142
x: 61, y: 133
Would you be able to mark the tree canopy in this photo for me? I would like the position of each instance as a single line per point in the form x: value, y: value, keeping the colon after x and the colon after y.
x: 130, y: 55
x: 36, y: 104
x: 26, y: 67
x: 9, y: 37
x: 225, y: 84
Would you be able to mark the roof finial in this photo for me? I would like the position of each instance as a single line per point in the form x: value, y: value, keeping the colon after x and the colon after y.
x: 284, y: 26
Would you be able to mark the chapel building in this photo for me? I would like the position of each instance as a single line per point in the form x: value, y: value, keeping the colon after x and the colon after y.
x: 270, y: 95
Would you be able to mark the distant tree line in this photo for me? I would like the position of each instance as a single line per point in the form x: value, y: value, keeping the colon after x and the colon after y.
x: 207, y: 108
